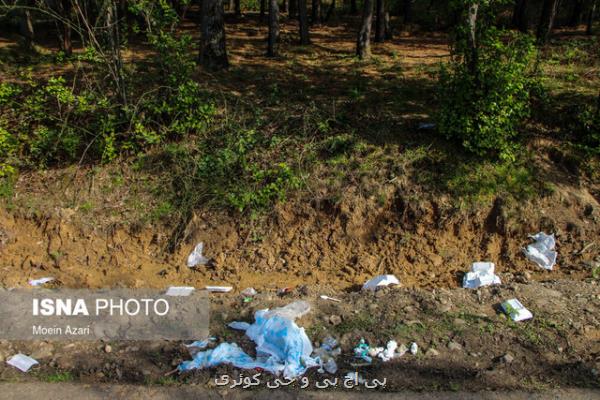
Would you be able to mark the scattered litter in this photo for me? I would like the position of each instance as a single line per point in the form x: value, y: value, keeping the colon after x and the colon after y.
x: 179, y: 291
x: 402, y: 350
x: 326, y: 355
x: 219, y: 289
x: 354, y: 376
x: 331, y: 366
x: 330, y: 298
x: 426, y: 125
x: 196, y: 257
x: 389, y: 352
x: 381, y: 281
x: 329, y: 343
x: 515, y: 310
x: 247, y: 299
x: 240, y: 326
x: 542, y: 251
x: 292, y: 311
x: 362, y: 351
x: 41, y: 281
x: 202, y: 344
x: 22, y: 362
x: 284, y: 291
x: 413, y: 348
x: 482, y: 274
x: 281, y: 346
x: 249, y: 292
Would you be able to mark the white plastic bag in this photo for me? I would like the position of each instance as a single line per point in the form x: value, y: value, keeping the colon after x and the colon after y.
x: 542, y: 251
x: 196, y: 257
x: 380, y: 281
x: 482, y: 274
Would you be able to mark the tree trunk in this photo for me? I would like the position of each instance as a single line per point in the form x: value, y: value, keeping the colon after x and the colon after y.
x: 293, y: 9
x: 231, y: 6
x: 285, y: 7
x: 353, y: 7
x: 66, y: 44
x: 389, y: 34
x: 316, y: 12
x: 363, y: 45
x: 519, y: 19
x: 380, y: 22
x: 546, y: 20
x: 213, y: 53
x: 576, y: 13
x: 263, y: 6
x: 330, y: 10
x: 407, y: 11
x: 26, y: 28
x: 273, y: 28
x: 473, y: 58
x: 303, y: 22
x: 238, y: 8
x: 591, y: 16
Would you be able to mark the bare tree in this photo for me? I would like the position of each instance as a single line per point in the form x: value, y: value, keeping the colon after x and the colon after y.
x: 213, y: 53
x: 66, y: 9
x: 316, y: 12
x: 26, y: 26
x: 591, y: 16
x: 363, y: 42
x: 519, y: 18
x: 549, y: 9
x: 380, y: 22
x: 273, y: 28
x: 473, y: 59
x: 576, y: 13
x: 407, y: 11
x: 303, y: 22
x: 263, y: 6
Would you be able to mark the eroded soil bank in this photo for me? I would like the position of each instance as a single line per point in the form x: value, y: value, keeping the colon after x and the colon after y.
x: 324, y: 248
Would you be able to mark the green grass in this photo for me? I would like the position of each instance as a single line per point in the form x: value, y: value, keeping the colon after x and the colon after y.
x: 58, y: 377
x: 361, y: 322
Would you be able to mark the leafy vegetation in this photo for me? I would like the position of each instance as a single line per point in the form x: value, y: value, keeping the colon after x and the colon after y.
x: 484, y: 92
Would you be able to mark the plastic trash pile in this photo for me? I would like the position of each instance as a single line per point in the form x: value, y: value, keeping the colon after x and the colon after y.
x: 281, y: 346
x: 380, y: 281
x: 482, y: 274
x: 326, y: 355
x: 542, y: 251
x: 366, y: 353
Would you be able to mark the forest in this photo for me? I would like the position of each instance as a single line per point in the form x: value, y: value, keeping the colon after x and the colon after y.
x: 302, y: 148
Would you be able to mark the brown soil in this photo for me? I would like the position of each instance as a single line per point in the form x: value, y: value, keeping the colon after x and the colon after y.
x: 426, y: 243
x: 560, y: 347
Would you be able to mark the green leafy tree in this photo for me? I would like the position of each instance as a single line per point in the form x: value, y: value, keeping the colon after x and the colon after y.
x: 484, y: 91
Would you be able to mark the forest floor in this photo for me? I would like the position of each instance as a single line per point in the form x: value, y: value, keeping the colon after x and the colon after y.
x: 378, y: 196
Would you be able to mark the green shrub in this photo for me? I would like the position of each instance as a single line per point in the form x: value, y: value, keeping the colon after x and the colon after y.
x: 232, y: 175
x: 483, y: 109
x: 589, y: 127
x: 8, y: 148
